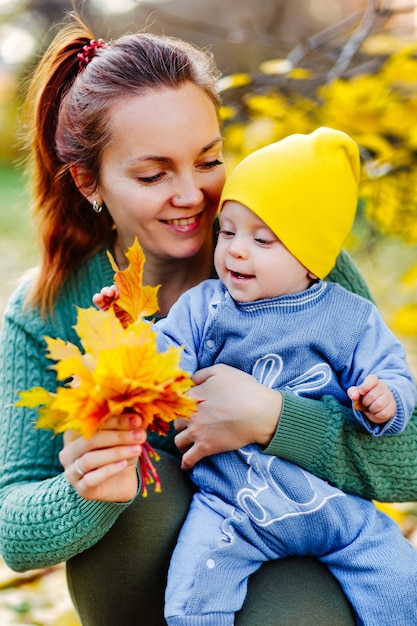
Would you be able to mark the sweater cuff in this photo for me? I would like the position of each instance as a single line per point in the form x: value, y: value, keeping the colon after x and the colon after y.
x: 103, y: 513
x: 301, y: 430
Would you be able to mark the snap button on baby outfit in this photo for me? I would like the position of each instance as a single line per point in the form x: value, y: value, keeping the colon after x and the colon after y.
x: 210, y: 563
x: 210, y: 343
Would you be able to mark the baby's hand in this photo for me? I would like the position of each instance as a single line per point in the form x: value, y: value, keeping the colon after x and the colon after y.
x: 374, y: 398
x: 105, y: 298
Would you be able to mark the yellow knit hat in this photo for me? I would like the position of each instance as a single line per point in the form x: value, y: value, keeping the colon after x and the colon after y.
x: 305, y: 188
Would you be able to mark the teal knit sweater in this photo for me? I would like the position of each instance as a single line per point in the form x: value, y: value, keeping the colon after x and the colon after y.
x: 43, y: 521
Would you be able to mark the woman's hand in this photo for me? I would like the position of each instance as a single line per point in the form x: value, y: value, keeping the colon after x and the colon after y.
x: 233, y: 411
x: 104, y: 467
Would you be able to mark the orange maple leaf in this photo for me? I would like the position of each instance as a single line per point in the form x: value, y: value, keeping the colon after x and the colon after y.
x: 135, y: 300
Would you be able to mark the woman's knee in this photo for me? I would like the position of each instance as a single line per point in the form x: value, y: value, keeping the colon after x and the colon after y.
x: 122, y: 578
x: 296, y: 590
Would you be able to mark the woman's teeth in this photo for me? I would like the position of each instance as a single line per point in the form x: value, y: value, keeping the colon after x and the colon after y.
x: 182, y: 222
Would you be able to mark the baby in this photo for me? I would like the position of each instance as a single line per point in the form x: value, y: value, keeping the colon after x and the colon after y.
x: 284, y: 215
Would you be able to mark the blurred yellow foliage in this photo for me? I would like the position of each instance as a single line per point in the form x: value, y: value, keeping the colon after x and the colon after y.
x: 393, y: 510
x: 376, y: 107
x: 405, y: 320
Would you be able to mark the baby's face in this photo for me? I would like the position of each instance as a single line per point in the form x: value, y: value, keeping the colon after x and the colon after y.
x: 251, y: 261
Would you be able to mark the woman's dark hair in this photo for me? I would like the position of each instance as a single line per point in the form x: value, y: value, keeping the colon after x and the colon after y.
x: 66, y: 115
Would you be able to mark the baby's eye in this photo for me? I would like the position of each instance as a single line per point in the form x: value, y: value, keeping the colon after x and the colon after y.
x: 264, y: 237
x: 226, y: 233
x: 263, y: 242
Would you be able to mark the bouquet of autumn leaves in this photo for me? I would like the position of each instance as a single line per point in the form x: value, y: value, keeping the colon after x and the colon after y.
x: 118, y: 370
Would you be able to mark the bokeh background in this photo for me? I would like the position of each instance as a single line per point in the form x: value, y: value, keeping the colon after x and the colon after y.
x: 288, y: 66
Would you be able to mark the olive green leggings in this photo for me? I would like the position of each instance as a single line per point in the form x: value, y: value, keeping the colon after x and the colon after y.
x: 121, y: 580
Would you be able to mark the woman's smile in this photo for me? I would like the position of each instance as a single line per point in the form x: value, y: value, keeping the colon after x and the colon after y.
x: 168, y: 181
x: 184, y: 224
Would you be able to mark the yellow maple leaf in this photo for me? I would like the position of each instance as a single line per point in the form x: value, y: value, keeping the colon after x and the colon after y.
x: 118, y: 370
x: 98, y: 330
x: 34, y: 397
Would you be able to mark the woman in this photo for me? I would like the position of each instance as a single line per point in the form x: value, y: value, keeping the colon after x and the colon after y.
x: 125, y: 142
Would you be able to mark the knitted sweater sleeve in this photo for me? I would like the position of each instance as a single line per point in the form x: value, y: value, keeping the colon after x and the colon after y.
x: 324, y: 437
x: 43, y: 521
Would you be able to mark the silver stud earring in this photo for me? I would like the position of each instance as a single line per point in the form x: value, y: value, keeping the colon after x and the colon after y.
x: 97, y: 207
x: 178, y: 197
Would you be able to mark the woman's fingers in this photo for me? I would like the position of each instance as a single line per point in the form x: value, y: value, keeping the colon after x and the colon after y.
x: 94, y: 460
x: 125, y: 421
x: 76, y: 446
x: 107, y: 473
x: 234, y: 409
x: 97, y: 470
x: 103, y: 467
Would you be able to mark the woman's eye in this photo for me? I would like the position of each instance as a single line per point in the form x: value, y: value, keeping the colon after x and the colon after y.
x: 150, y: 180
x: 209, y: 165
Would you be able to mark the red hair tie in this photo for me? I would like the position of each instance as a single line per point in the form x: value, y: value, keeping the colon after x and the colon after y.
x: 89, y: 52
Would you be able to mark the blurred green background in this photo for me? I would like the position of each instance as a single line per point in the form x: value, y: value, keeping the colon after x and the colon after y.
x: 17, y: 239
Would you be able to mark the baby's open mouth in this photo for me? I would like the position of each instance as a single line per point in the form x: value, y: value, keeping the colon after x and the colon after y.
x: 240, y: 276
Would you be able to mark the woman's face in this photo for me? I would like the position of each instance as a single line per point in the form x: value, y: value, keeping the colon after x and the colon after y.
x: 162, y: 174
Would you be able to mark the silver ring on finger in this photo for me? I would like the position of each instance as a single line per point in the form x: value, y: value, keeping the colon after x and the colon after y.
x: 78, y: 468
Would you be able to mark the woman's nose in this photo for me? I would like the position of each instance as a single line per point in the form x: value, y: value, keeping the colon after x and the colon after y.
x: 187, y: 193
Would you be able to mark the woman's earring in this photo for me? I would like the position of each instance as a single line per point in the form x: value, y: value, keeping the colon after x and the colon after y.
x: 97, y: 207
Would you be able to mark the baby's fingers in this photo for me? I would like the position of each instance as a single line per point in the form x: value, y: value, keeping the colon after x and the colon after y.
x: 370, y: 382
x: 105, y: 297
